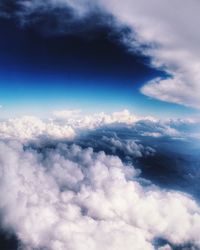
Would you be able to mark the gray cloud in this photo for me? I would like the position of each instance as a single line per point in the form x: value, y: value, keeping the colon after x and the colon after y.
x: 127, y: 147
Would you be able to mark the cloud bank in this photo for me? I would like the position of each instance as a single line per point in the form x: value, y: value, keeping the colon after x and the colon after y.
x: 166, y: 32
x: 67, y: 197
x: 29, y: 127
x: 59, y: 195
x: 66, y: 124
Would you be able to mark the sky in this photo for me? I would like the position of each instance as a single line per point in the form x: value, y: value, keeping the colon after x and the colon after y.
x: 99, y: 125
x: 79, y: 56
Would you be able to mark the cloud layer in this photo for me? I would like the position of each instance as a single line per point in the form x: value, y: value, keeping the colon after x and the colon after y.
x: 67, y: 197
x: 58, y: 195
x: 166, y: 32
x: 29, y: 127
x: 66, y: 124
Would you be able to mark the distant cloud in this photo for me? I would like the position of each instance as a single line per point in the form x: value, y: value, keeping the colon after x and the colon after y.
x: 63, y: 125
x: 66, y: 114
x: 29, y: 127
x: 167, y: 33
x: 127, y: 146
x: 66, y: 197
x: 69, y: 123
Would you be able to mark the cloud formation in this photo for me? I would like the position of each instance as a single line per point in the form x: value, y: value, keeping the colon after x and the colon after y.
x: 67, y: 197
x: 167, y: 33
x: 127, y: 147
x: 29, y: 127
x: 61, y: 196
x: 63, y: 125
x: 66, y: 124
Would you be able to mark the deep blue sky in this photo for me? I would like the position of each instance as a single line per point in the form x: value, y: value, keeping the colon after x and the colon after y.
x: 89, y: 69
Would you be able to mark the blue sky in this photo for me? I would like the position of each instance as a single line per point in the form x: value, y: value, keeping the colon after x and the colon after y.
x: 87, y: 180
x: 22, y: 96
x: 92, y: 71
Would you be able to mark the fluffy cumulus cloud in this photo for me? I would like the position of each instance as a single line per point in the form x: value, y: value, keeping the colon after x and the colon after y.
x: 169, y: 32
x: 61, y: 195
x: 80, y: 120
x: 166, y: 32
x: 127, y: 147
x: 66, y: 197
x: 63, y: 125
x: 28, y: 127
x: 66, y: 124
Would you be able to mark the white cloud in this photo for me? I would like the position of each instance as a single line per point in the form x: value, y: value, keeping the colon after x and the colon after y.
x: 101, y: 119
x: 28, y: 127
x: 170, y: 31
x: 67, y: 124
x: 166, y: 247
x: 66, y: 114
x: 161, y: 128
x: 63, y: 125
x: 166, y: 32
x: 72, y: 198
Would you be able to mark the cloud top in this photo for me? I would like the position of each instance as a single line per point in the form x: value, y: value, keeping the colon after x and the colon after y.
x: 58, y: 195
x: 66, y: 124
x: 67, y: 197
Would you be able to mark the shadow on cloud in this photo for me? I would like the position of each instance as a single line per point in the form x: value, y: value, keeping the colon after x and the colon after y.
x: 95, y: 188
